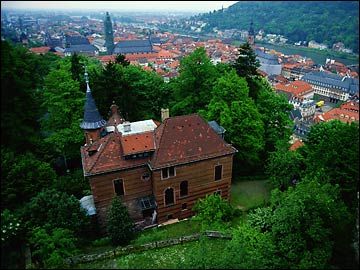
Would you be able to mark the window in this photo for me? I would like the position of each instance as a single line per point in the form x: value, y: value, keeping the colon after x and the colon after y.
x: 169, y: 196
x: 119, y: 187
x: 184, y: 206
x: 168, y: 172
x: 183, y: 188
x: 218, y: 172
x: 145, y: 176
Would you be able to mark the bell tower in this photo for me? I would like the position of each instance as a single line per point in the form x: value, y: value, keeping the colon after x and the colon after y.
x: 93, y: 123
x: 251, y: 36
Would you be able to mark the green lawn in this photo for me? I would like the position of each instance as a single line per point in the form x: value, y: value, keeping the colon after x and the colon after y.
x: 165, y: 258
x: 249, y: 194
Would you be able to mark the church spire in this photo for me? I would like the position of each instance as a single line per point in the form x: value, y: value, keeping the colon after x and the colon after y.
x: 93, y: 121
x: 251, y: 36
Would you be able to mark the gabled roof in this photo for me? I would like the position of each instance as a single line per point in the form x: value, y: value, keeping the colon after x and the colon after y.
x: 184, y: 139
x: 76, y: 40
x: 108, y: 157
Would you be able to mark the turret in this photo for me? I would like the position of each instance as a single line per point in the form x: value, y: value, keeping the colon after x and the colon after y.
x: 93, y: 123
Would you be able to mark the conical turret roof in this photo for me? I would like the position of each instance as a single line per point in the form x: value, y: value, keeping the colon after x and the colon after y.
x: 92, y: 117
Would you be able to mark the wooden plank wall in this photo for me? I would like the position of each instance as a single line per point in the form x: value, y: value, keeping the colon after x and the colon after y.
x: 103, y: 190
x: 200, y: 176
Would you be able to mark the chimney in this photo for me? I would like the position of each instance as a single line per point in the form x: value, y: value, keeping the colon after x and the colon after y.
x: 164, y: 114
x: 127, y: 127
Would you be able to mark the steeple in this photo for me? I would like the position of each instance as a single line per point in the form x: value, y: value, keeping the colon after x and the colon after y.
x: 109, y: 35
x: 251, y: 36
x: 93, y: 122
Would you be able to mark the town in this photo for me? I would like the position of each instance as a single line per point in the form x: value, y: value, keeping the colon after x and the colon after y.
x: 318, y: 91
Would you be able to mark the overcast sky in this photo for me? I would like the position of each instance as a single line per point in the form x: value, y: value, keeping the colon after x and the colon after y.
x: 201, y: 6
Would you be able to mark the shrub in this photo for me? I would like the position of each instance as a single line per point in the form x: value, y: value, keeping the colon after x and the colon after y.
x: 213, y: 210
x: 119, y: 224
x: 50, y: 249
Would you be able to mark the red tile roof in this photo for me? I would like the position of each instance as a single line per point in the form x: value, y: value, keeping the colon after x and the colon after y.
x: 350, y: 106
x: 178, y: 140
x: 344, y: 116
x: 108, y: 157
x: 138, y: 143
x: 297, y: 88
x: 296, y: 145
x: 40, y: 50
x: 183, y: 139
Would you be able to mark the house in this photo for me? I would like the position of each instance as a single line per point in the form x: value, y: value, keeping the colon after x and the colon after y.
x: 159, y: 170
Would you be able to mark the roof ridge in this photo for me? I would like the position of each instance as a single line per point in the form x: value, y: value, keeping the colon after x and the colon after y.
x: 157, y: 147
x: 101, y: 151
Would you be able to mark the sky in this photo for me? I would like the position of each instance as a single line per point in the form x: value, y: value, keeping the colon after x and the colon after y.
x: 200, y: 6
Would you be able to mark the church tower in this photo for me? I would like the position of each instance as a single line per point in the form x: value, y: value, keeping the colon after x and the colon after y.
x: 251, y: 36
x: 109, y: 35
x: 93, y: 123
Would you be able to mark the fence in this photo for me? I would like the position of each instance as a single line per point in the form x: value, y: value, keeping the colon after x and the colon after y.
x: 153, y: 245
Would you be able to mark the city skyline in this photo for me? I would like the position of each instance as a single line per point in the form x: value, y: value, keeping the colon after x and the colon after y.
x: 200, y: 6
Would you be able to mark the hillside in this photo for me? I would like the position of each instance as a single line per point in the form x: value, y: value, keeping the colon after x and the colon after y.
x: 323, y: 21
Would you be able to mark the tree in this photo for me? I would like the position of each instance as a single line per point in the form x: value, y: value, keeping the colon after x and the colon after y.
x: 21, y: 77
x: 285, y: 168
x: 50, y: 250
x: 213, y: 211
x: 73, y: 183
x: 246, y: 64
x: 138, y: 93
x: 274, y: 110
x: 231, y: 107
x: 250, y: 249
x: 23, y: 176
x: 191, y: 88
x: 305, y: 222
x: 120, y: 59
x: 61, y: 211
x: 120, y: 226
x: 77, y: 69
x: 333, y: 149
x: 64, y: 103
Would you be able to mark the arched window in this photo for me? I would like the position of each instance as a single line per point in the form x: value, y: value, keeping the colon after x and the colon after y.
x: 183, y: 188
x: 169, y: 196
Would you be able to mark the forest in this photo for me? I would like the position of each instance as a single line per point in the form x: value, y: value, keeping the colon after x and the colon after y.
x: 309, y: 222
x: 325, y: 22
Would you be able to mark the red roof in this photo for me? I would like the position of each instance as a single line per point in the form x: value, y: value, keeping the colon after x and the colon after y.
x: 138, y: 143
x: 350, y: 106
x: 108, y: 156
x: 297, y: 88
x: 40, y: 50
x: 178, y: 140
x: 343, y: 115
x: 183, y: 139
x: 296, y: 145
